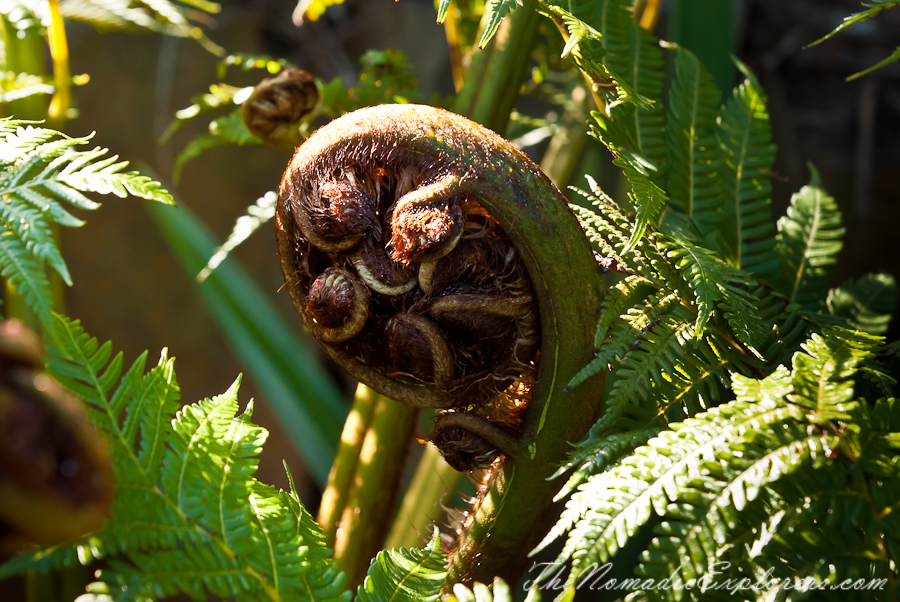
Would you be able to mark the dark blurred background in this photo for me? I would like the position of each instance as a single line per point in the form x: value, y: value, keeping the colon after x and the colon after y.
x: 130, y: 289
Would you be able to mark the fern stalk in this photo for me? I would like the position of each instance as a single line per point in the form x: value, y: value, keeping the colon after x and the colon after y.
x: 493, y: 80
x: 340, y: 479
x: 366, y: 517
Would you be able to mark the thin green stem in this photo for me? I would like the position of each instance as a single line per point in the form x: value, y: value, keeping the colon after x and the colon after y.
x: 366, y: 516
x: 340, y: 479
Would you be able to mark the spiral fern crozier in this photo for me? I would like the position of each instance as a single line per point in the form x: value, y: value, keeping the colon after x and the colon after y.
x: 439, y: 266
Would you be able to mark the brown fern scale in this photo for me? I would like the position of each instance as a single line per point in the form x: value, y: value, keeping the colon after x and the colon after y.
x: 406, y: 280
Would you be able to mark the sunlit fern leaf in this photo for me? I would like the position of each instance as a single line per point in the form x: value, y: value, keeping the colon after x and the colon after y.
x: 222, y: 131
x: 712, y: 498
x: 867, y: 303
x: 823, y: 383
x: 219, y: 95
x: 694, y: 159
x: 714, y: 283
x: 495, y: 10
x: 639, y: 60
x: 661, y: 373
x: 622, y: 296
x: 442, y: 9
x: 634, y: 56
x: 173, y: 18
x: 257, y: 214
x: 745, y: 141
x: 808, y: 547
x: 596, y: 453
x: 647, y: 198
x: 40, y: 171
x: 479, y: 592
x: 612, y: 505
x: 23, y: 272
x: 584, y: 43
x: 610, y: 229
x: 810, y: 236
x: 324, y: 581
x: 405, y: 575
x: 107, y: 15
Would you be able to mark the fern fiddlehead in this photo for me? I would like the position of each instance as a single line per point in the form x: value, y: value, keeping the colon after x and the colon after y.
x: 457, y: 242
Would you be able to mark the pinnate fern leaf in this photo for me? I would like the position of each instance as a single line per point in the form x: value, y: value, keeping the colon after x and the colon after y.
x: 809, y: 239
x: 405, y: 575
x: 495, y: 11
x: 694, y: 159
x: 40, y: 172
x: 745, y: 141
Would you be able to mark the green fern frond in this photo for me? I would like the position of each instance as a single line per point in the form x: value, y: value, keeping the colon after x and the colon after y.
x: 874, y: 7
x: 23, y: 271
x: 867, y: 303
x: 222, y: 131
x: 694, y: 159
x: 405, y: 575
x: 219, y: 95
x: 809, y: 239
x: 745, y: 141
x: 822, y: 376
x: 257, y: 214
x: 714, y: 282
x: 323, y: 581
x: 15, y: 86
x: 495, y: 10
x: 706, y: 510
x: 40, y: 170
x: 479, y: 592
x: 611, y: 506
x: 165, y: 16
x: 584, y: 43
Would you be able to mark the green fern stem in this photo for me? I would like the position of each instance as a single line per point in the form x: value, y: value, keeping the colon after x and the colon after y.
x: 340, y: 479
x: 366, y: 517
x: 495, y: 76
x: 542, y: 228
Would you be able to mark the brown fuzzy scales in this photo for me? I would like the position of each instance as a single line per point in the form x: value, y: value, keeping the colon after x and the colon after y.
x: 381, y: 212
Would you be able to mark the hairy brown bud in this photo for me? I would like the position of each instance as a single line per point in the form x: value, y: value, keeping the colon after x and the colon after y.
x: 276, y: 107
